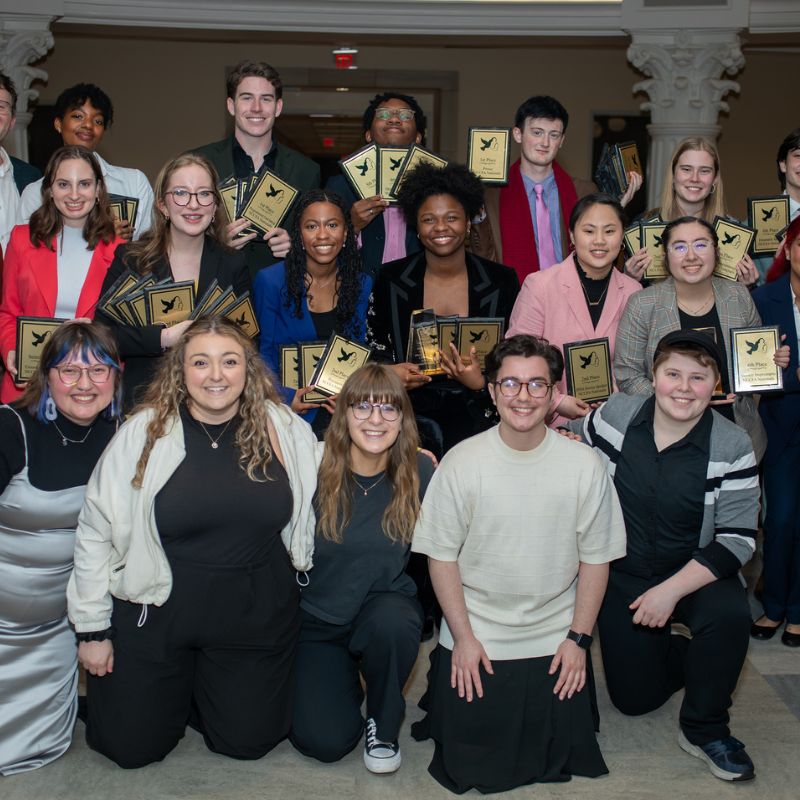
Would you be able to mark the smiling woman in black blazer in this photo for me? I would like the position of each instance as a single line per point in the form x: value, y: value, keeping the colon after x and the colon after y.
x: 184, y: 243
x: 439, y: 203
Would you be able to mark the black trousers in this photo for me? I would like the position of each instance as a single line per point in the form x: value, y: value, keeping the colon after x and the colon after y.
x: 645, y: 666
x: 218, y: 654
x: 381, y: 643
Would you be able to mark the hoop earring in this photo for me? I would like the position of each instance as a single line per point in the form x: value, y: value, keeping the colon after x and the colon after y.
x: 713, y: 188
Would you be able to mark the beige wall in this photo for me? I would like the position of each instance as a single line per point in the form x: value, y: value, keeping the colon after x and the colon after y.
x: 169, y: 95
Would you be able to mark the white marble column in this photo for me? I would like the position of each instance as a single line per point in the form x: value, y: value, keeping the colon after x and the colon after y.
x: 21, y: 43
x: 686, y: 86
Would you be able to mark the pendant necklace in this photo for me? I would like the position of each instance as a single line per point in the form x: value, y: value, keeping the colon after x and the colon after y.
x: 367, y: 489
x: 65, y: 440
x: 309, y: 294
x: 214, y: 442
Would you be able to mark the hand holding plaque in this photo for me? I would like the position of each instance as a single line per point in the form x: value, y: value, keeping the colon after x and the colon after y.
x: 342, y: 357
x: 768, y: 216
x: 651, y: 238
x: 588, y: 368
x: 734, y: 243
x: 753, y: 355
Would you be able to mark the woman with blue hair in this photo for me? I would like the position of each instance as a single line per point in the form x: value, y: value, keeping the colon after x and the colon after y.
x: 50, y: 441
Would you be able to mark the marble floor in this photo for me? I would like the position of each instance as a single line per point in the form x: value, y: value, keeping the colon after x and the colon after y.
x: 642, y: 754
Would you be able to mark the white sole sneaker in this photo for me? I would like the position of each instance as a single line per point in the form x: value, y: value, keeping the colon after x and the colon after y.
x: 382, y: 766
x: 716, y: 771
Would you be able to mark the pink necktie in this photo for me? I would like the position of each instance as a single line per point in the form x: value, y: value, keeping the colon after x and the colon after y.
x: 544, y: 238
x: 394, y: 224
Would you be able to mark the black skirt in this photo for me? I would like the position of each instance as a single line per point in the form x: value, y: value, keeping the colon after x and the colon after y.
x: 518, y: 733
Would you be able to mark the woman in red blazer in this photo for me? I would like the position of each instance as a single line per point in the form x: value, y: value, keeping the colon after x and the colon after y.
x: 55, y: 265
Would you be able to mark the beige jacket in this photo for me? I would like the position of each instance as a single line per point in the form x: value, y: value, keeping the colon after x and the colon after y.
x: 118, y: 550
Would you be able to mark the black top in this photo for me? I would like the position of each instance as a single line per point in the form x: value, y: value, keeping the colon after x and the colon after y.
x: 243, y: 166
x: 52, y: 466
x: 325, y: 322
x: 594, y: 292
x: 366, y: 562
x: 661, y: 495
x: 709, y: 324
x: 140, y: 346
x: 210, y: 512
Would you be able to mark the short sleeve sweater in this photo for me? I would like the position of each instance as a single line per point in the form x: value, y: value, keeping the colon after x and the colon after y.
x: 519, y: 523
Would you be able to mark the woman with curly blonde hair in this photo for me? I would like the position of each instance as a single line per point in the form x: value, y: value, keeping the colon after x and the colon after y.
x: 360, y: 616
x: 195, y: 520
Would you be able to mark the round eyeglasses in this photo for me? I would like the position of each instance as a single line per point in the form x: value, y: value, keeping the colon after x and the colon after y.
x: 681, y: 249
x: 510, y: 387
x: 182, y: 197
x: 363, y: 410
x: 403, y: 114
x: 70, y: 374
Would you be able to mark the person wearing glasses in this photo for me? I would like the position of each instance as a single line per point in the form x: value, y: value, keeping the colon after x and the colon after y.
x: 255, y: 92
x: 360, y: 617
x: 185, y: 596
x: 184, y: 242
x: 690, y: 299
x: 55, y: 265
x: 687, y: 481
x: 519, y: 525
x: 525, y: 222
x: 50, y: 441
x: 390, y: 120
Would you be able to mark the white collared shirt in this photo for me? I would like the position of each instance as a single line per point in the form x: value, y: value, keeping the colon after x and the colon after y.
x: 119, y: 180
x: 9, y: 199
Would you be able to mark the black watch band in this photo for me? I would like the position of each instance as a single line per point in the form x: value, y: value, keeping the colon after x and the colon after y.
x: 581, y: 639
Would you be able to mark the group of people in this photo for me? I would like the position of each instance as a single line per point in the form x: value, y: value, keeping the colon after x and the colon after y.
x: 287, y: 587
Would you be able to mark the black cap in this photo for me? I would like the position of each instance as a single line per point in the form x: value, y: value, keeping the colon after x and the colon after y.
x: 698, y: 338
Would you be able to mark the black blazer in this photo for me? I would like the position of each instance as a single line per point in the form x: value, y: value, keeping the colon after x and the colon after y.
x: 399, y: 290
x: 140, y: 347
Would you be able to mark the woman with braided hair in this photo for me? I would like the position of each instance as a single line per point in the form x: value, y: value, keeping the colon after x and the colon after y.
x: 317, y: 290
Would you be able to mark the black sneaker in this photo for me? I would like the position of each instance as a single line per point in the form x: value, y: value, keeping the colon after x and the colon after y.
x: 380, y: 757
x: 726, y: 758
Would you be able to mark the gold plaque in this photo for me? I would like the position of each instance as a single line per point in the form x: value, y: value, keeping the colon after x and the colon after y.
x: 221, y: 305
x: 588, y: 369
x: 448, y: 332
x: 416, y: 155
x: 390, y: 159
x: 633, y: 239
x: 208, y: 299
x: 734, y: 242
x: 268, y: 202
x: 361, y: 169
x: 631, y: 162
x: 310, y: 355
x: 124, y: 208
x: 32, y: 333
x: 488, y: 152
x: 228, y: 192
x: 242, y: 314
x: 170, y: 303
x: 342, y: 357
x: 423, y: 342
x: 482, y: 333
x: 132, y: 304
x: 119, y: 288
x: 651, y: 233
x: 753, y: 352
x: 768, y: 216
x: 290, y: 366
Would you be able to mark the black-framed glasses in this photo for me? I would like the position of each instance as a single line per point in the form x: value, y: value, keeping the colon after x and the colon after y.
x: 510, y: 387
x: 70, y: 374
x: 363, y: 410
x: 403, y: 114
x: 182, y: 197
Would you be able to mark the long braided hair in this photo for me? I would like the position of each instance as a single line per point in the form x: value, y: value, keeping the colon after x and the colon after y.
x: 348, y: 266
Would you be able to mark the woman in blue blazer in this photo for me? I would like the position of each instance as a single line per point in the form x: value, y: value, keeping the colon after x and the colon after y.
x: 319, y: 289
x: 778, y: 304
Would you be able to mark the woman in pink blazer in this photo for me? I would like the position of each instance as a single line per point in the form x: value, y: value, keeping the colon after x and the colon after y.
x: 55, y: 265
x: 583, y: 296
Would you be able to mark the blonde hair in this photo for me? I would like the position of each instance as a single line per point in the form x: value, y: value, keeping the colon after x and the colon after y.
x: 374, y: 383
x: 167, y: 393
x: 143, y: 254
x: 714, y: 205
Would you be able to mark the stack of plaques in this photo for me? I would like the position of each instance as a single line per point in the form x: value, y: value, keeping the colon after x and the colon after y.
x: 324, y: 365
x: 136, y: 300
x: 375, y: 170
x: 264, y: 200
x: 429, y: 335
x: 123, y: 208
x: 616, y: 162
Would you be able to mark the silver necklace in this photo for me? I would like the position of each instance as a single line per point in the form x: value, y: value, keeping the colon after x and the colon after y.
x: 65, y: 440
x: 214, y: 442
x: 367, y: 489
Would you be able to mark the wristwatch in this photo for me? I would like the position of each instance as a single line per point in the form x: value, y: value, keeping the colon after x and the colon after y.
x: 581, y: 639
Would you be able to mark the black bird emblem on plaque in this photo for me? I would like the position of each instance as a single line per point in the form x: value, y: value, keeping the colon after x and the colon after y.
x: 242, y: 322
x: 172, y: 305
x: 753, y: 346
x: 364, y: 168
x: 39, y: 338
x: 486, y: 144
x: 394, y: 163
x: 478, y: 336
x: 273, y: 192
x: 768, y: 213
x: 345, y: 356
x: 586, y: 361
x: 731, y: 238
